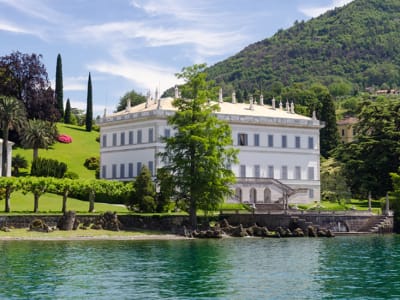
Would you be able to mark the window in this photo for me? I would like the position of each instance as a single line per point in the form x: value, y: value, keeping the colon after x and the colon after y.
x: 242, y: 139
x: 130, y: 170
x: 311, y: 193
x: 242, y: 171
x: 342, y: 132
x: 167, y: 132
x: 122, y: 171
x: 114, y: 171
x: 256, y: 140
x: 114, y: 139
x: 310, y: 175
x: 284, y: 141
x: 139, y: 136
x: 297, y: 173
x: 297, y: 142
x: 270, y: 171
x: 257, y: 171
x: 138, y: 168
x: 270, y: 140
x: 284, y: 172
x: 104, y: 171
x: 130, y: 137
x: 151, y: 167
x: 104, y: 142
x: 151, y: 135
x: 310, y: 142
x: 122, y: 138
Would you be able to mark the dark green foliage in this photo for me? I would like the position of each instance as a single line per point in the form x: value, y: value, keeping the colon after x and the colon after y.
x: 71, y: 175
x: 355, y: 45
x: 59, y: 87
x: 18, y: 162
x: 143, y: 199
x: 92, y: 163
x: 133, y: 96
x: 67, y: 114
x: 89, y: 106
x: 369, y: 160
x: 43, y: 167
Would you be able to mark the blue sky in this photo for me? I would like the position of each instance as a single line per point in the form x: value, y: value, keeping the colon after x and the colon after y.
x: 140, y: 44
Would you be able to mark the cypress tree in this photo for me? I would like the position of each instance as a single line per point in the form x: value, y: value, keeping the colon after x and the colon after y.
x: 59, y: 86
x: 67, y: 115
x: 89, y: 106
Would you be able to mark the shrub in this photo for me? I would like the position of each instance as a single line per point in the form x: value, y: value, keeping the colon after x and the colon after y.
x: 63, y: 138
x: 71, y: 175
x: 48, y: 168
x: 92, y: 163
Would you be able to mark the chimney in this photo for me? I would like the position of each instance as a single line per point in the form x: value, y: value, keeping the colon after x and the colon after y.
x: 262, y: 99
x: 220, y: 99
x: 176, y: 92
x: 273, y: 103
x: 128, y: 104
x: 233, y: 97
x: 148, y: 99
x: 251, y: 103
x: 292, y: 107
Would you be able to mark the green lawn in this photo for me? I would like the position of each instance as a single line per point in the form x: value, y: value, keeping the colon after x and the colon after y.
x: 51, y: 203
x: 84, y: 145
x: 355, y: 204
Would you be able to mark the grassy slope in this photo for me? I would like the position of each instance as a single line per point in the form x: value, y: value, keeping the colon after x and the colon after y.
x: 83, y: 146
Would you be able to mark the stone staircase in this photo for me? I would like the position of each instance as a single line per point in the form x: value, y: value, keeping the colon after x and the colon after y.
x: 378, y: 224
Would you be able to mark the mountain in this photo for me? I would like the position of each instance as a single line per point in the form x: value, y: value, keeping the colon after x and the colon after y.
x: 357, y: 44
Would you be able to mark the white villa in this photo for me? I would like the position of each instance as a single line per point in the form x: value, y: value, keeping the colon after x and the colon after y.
x: 279, y: 154
x: 10, y: 144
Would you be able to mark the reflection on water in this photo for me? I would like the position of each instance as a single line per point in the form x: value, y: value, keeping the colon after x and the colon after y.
x: 244, y: 268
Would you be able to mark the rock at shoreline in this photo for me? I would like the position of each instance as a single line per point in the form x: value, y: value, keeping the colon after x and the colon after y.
x: 39, y: 225
x: 68, y: 221
x: 107, y: 221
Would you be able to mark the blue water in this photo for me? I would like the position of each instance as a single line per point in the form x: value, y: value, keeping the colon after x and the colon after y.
x: 242, y: 268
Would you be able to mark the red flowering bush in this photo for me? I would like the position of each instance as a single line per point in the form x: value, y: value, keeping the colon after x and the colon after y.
x: 63, y: 138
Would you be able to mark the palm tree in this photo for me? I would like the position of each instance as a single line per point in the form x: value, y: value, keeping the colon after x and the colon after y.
x: 12, y: 116
x: 38, y: 134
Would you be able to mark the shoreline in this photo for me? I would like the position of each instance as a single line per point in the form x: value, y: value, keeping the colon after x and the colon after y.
x: 144, y: 237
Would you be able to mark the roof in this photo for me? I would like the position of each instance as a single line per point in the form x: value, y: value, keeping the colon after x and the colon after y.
x: 347, y: 121
x: 227, y: 108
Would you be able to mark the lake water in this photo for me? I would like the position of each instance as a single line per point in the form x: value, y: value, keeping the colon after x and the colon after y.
x: 354, y: 267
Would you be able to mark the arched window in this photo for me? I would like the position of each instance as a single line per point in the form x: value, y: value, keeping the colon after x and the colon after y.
x: 267, y: 195
x: 238, y: 195
x: 253, y: 195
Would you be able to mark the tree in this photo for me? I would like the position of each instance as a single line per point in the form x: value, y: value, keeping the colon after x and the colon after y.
x: 67, y: 114
x: 89, y: 106
x: 24, y: 77
x: 199, y: 154
x: 9, y: 184
x: 329, y: 136
x: 38, y: 134
x: 37, y: 186
x: 143, y: 198
x: 18, y: 162
x: 12, y: 116
x: 369, y: 160
x: 333, y: 181
x: 59, y: 86
x: 133, y: 96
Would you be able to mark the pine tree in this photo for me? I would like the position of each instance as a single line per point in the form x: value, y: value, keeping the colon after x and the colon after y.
x: 67, y: 115
x: 59, y: 87
x: 89, y: 106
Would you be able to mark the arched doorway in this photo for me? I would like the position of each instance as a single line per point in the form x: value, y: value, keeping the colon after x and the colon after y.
x: 253, y: 195
x: 267, y: 195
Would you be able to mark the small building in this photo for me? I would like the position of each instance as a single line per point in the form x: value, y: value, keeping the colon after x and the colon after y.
x: 9, y: 156
x: 346, y: 128
x: 279, y: 154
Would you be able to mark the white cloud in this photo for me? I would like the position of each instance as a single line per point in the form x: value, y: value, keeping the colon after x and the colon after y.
x: 4, y: 26
x: 319, y: 10
x: 75, y: 83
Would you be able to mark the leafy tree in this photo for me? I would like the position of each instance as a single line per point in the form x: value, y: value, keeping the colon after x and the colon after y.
x: 24, y: 77
x: 37, y: 186
x: 18, y: 162
x: 166, y: 189
x: 38, y: 134
x: 198, y: 154
x: 9, y: 184
x: 67, y: 115
x: 369, y: 160
x: 333, y: 181
x: 329, y: 136
x: 59, y: 86
x: 133, y: 96
x: 144, y: 197
x: 12, y: 116
x: 89, y: 106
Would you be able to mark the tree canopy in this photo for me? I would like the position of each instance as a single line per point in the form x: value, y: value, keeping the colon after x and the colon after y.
x: 133, y: 96
x: 199, y: 154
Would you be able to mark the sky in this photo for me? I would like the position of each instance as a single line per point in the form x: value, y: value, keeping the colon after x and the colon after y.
x: 140, y: 44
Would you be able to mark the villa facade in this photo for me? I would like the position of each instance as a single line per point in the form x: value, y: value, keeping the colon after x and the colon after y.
x: 279, y: 155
